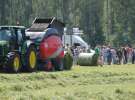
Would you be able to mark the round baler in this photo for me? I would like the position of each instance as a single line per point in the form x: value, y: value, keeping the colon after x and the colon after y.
x: 51, y: 45
x: 50, y: 49
x: 47, y: 35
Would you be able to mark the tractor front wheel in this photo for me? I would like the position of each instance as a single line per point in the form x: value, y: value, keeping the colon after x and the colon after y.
x: 13, y: 62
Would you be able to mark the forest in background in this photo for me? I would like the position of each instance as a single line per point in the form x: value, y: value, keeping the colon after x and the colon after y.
x: 101, y: 20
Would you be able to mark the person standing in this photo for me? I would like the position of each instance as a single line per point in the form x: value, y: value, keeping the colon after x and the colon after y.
x: 124, y: 52
x: 133, y: 56
x: 130, y: 50
x: 100, y: 60
x: 119, y: 55
x: 75, y: 54
x: 104, y: 53
x: 114, y: 59
x: 97, y: 50
x: 109, y: 56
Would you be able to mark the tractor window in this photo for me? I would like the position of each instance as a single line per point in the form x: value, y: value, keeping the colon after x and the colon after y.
x: 5, y: 35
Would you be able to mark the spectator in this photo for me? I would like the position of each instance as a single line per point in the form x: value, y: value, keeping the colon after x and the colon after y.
x: 109, y: 56
x: 130, y: 51
x: 114, y: 59
x: 97, y: 50
x: 133, y: 56
x: 124, y: 52
x: 68, y: 49
x: 104, y: 53
x: 119, y: 55
x: 100, y: 60
x: 75, y: 54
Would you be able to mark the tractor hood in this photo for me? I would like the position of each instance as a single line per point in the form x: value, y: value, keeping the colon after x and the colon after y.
x: 2, y: 43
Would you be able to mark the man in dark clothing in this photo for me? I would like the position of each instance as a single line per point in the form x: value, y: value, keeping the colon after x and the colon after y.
x: 119, y: 54
x: 124, y: 51
x: 109, y: 56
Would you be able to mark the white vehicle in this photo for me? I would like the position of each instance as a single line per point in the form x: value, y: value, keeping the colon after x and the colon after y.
x: 74, y: 39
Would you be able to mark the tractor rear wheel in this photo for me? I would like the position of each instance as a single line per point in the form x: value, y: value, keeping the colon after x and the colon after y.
x: 31, y: 59
x: 13, y: 62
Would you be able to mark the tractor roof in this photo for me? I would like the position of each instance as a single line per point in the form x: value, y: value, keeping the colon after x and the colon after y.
x: 19, y: 27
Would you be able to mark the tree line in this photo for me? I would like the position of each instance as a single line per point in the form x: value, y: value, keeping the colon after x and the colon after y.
x: 102, y: 20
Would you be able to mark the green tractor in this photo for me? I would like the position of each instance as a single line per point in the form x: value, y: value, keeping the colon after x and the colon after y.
x: 17, y: 51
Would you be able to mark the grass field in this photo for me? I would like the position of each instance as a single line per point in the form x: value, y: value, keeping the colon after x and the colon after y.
x: 81, y: 83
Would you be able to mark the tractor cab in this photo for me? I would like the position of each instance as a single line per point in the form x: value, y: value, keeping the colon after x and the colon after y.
x: 12, y: 36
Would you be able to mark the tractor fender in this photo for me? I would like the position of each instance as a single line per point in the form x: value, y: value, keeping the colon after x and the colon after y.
x: 26, y: 45
x: 29, y: 42
x: 24, y: 49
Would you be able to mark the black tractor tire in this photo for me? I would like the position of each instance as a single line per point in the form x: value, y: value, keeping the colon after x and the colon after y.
x: 31, y: 59
x: 13, y: 62
x: 58, y: 64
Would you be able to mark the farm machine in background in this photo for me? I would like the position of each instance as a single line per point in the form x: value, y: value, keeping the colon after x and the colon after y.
x: 17, y: 51
x: 47, y: 35
x: 38, y: 47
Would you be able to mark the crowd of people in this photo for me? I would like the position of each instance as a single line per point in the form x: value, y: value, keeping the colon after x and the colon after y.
x: 110, y: 55
x: 107, y: 55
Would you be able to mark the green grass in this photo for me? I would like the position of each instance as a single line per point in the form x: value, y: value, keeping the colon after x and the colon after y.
x: 81, y: 83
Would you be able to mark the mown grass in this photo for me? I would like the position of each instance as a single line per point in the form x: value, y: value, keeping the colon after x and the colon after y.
x: 81, y: 83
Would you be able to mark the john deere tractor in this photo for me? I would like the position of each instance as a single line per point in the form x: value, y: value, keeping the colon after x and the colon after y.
x: 17, y: 52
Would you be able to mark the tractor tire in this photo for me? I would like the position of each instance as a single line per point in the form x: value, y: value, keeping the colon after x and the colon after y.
x: 58, y: 64
x: 13, y: 62
x: 31, y: 59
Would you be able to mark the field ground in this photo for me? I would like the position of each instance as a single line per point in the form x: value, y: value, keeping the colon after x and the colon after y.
x: 81, y: 83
